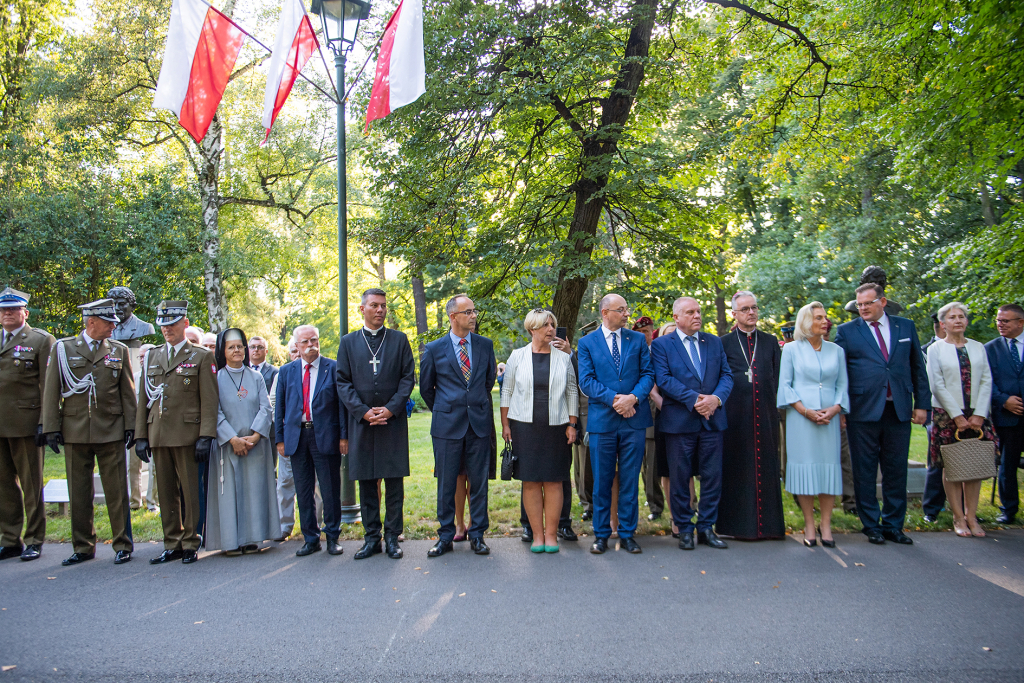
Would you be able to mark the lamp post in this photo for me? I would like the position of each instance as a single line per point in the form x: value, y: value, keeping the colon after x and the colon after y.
x: 340, y: 20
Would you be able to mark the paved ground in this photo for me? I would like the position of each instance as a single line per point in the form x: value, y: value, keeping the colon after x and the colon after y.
x: 758, y: 611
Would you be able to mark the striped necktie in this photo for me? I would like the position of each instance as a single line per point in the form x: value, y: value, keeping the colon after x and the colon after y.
x: 1015, y: 354
x: 464, y: 360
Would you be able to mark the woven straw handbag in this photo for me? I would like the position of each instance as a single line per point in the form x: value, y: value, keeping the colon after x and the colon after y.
x: 969, y: 460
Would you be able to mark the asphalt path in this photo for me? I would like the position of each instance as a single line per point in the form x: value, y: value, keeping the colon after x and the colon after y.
x: 945, y: 609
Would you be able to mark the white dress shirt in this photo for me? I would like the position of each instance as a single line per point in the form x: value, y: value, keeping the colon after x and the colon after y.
x: 885, y: 329
x: 314, y: 369
x: 172, y: 351
x: 608, y: 334
x: 687, y: 345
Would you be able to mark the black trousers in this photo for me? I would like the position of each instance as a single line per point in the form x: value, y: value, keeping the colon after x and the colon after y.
x: 369, y: 507
x: 933, y: 500
x: 564, y: 519
x: 1011, y: 442
x: 449, y: 456
x: 204, y: 490
x: 310, y: 466
x: 884, y: 444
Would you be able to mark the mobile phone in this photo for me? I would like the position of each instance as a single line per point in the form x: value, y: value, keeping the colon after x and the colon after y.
x: 560, y: 332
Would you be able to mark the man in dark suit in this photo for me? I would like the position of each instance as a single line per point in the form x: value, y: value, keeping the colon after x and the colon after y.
x: 615, y: 373
x: 311, y: 430
x: 888, y: 390
x: 1005, y: 360
x: 695, y: 380
x: 457, y: 373
x: 258, y: 360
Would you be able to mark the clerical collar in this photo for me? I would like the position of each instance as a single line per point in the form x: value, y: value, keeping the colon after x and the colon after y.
x: 749, y: 334
x: 373, y: 332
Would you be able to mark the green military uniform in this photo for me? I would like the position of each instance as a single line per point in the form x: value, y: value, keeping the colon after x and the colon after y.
x: 23, y: 355
x: 90, y: 400
x: 178, y: 399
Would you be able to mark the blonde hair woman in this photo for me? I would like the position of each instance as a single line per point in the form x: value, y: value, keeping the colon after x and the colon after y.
x: 961, y: 383
x: 539, y: 411
x: 813, y: 390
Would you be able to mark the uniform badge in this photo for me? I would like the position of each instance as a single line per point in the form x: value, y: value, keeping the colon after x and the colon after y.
x: 17, y: 362
x: 213, y: 369
x: 187, y: 381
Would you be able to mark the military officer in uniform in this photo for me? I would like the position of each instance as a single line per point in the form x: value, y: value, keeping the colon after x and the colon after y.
x: 23, y: 354
x: 176, y: 422
x: 89, y: 406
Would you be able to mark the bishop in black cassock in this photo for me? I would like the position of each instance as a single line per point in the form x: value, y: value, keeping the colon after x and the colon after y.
x: 376, y: 375
x: 751, y: 505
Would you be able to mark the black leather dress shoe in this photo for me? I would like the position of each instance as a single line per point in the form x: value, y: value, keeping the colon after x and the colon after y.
x: 897, y: 536
x: 630, y: 546
x: 651, y: 517
x: 478, y: 546
x: 527, y: 536
x: 686, y: 540
x: 189, y: 556
x: 930, y: 519
x: 440, y: 548
x: 587, y: 515
x: 599, y: 546
x: 369, y: 549
x: 31, y: 552
x: 78, y: 558
x: 567, y: 534
x: 309, y: 549
x: 334, y: 547
x: 166, y: 556
x: 9, y: 551
x: 1004, y: 518
x: 392, y: 548
x: 122, y: 556
x: 711, y: 539
x: 875, y: 536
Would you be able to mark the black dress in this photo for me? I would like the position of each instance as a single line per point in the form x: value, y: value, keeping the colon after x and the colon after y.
x: 541, y: 450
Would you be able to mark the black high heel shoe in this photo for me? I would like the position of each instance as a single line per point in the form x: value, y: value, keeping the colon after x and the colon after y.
x: 827, y: 544
x: 810, y: 543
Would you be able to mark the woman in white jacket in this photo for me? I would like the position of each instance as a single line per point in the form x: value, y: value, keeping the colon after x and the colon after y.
x: 961, y: 384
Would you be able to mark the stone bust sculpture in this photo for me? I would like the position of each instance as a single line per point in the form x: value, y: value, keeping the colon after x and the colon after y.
x: 129, y: 329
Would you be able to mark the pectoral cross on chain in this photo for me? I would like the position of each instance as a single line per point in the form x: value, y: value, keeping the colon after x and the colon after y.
x: 375, y: 362
x: 750, y: 375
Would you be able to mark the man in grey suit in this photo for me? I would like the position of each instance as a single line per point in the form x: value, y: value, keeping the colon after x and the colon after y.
x: 457, y: 373
x: 258, y: 360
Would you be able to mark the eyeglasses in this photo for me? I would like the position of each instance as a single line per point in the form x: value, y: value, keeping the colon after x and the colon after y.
x: 868, y: 303
x: 621, y: 311
x: 748, y: 309
x: 468, y: 311
x: 307, y: 342
x: 257, y: 347
x: 1007, y: 321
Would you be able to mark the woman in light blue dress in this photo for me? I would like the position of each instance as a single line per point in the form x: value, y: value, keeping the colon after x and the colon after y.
x: 813, y: 390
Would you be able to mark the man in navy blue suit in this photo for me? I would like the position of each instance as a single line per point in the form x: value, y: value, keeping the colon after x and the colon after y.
x: 888, y: 390
x: 695, y: 380
x: 616, y: 376
x: 1005, y: 359
x: 311, y: 428
x: 457, y: 373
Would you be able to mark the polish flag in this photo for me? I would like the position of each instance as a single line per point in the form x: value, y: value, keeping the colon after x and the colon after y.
x: 202, y: 46
x: 292, y: 49
x: 401, y: 74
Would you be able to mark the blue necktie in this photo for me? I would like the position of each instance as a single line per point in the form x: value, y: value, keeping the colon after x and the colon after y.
x: 1015, y: 354
x: 694, y: 357
x: 615, y: 351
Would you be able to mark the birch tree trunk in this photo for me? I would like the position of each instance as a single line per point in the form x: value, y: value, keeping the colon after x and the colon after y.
x: 210, y: 152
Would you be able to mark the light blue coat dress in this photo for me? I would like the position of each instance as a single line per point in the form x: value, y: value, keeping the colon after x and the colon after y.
x: 818, y: 379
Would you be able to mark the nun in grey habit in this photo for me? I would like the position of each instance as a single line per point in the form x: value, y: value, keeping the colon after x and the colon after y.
x: 242, y: 503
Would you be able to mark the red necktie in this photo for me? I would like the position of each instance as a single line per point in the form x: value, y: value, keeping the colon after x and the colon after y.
x: 464, y: 360
x: 885, y: 352
x: 306, y: 417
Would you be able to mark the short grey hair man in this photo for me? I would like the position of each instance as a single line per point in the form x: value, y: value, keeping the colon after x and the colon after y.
x: 740, y: 294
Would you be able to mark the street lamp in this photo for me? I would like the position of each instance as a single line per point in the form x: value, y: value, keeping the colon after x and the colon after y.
x: 340, y: 20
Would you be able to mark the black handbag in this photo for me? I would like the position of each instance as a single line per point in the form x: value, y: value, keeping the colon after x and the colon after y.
x: 508, y: 462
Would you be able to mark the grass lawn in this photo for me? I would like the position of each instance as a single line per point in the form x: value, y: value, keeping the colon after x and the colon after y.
x: 503, y: 503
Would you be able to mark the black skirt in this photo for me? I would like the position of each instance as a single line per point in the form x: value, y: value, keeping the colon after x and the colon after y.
x: 542, y: 453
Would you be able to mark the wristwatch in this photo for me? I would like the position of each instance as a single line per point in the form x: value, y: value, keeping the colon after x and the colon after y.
x: 573, y: 425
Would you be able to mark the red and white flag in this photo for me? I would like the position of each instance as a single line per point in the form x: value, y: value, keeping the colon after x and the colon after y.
x: 401, y: 74
x: 202, y: 46
x: 294, y: 44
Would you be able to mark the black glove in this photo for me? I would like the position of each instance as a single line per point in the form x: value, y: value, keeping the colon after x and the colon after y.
x: 129, y: 438
x: 40, y: 439
x: 203, y: 448
x: 54, y: 439
x: 142, y: 449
